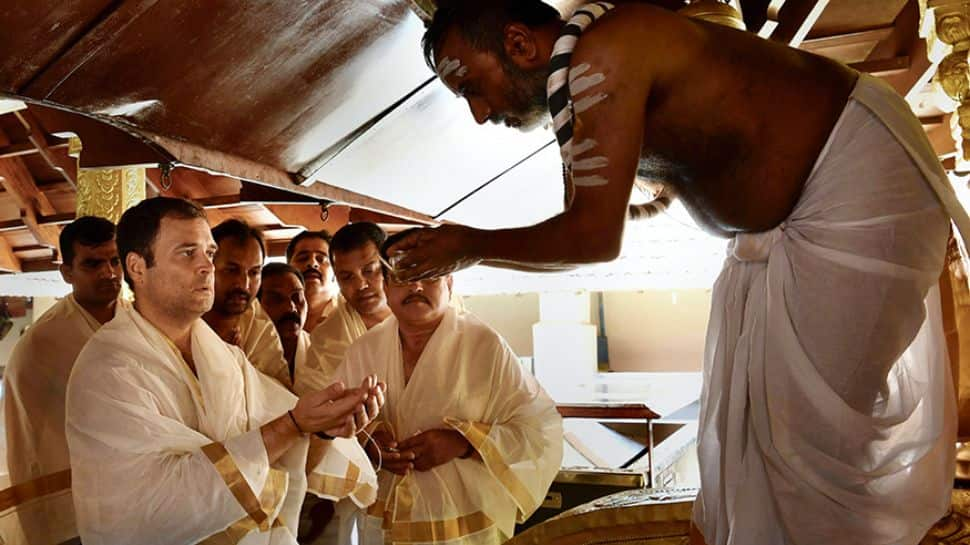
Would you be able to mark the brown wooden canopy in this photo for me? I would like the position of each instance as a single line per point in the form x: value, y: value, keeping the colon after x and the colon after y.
x: 268, y: 109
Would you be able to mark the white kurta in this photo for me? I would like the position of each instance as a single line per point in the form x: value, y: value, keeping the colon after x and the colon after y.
x: 261, y: 344
x: 329, y: 343
x: 160, y: 455
x: 827, y: 411
x: 467, y: 379
x: 35, y: 389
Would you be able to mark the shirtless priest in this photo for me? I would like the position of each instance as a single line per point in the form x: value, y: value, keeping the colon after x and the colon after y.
x: 174, y: 437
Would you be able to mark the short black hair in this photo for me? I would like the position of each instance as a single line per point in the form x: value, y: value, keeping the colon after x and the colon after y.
x: 322, y: 234
x: 482, y: 23
x: 139, y: 226
x: 87, y: 231
x: 278, y: 269
x: 354, y: 236
x: 240, y: 232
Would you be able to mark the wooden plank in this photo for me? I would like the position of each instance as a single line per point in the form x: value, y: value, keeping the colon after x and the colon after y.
x: 66, y: 166
x: 39, y: 265
x: 884, y: 67
x: 875, y: 35
x: 20, y: 149
x: 790, y: 21
x: 18, y: 181
x: 606, y: 411
x: 8, y: 260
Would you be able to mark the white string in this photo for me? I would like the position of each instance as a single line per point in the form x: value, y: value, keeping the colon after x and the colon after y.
x: 370, y: 439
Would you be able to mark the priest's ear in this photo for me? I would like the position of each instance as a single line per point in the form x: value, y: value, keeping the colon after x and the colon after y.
x: 135, y: 265
x: 521, y: 47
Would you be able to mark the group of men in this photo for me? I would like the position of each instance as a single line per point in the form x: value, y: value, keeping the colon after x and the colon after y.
x: 827, y: 413
x: 218, y: 405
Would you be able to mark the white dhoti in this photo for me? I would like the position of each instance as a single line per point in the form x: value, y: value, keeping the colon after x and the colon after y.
x: 162, y: 455
x: 469, y: 380
x: 828, y: 414
x: 35, y: 390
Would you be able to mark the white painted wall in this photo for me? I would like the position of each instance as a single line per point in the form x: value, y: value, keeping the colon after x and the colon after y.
x: 511, y: 315
x: 650, y: 330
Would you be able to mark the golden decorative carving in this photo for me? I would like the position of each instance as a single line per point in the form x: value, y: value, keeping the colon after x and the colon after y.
x: 954, y: 528
x: 424, y: 9
x: 106, y: 192
x: 946, y: 28
x: 654, y: 517
x: 714, y: 11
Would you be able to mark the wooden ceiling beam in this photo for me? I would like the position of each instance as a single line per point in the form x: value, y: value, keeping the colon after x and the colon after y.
x: 39, y: 265
x: 66, y: 166
x: 20, y: 149
x: 884, y: 67
x: 8, y: 260
x: 789, y: 21
x: 19, y: 182
x: 874, y: 35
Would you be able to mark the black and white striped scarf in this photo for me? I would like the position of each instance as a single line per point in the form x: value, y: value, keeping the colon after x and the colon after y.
x: 561, y: 103
x: 557, y: 86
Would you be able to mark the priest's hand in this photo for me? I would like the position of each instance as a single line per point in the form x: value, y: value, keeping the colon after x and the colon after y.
x: 433, y: 448
x: 383, y: 451
x: 430, y: 253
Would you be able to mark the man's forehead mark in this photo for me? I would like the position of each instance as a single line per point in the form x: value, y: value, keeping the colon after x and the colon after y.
x: 449, y: 66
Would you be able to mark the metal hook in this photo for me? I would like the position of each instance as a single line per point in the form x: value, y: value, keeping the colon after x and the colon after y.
x: 166, y: 179
x: 325, y: 211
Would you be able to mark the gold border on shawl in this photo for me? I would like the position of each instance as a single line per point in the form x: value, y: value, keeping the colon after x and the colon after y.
x: 477, y: 435
x: 656, y: 520
x: 229, y: 471
x: 33, y: 489
x: 339, y: 487
x: 439, y: 530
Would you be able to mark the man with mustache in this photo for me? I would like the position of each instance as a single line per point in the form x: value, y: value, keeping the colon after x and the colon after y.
x: 356, y: 262
x: 35, y: 380
x: 468, y: 442
x: 309, y: 252
x: 825, y: 376
x: 174, y: 437
x: 281, y: 294
x: 236, y: 316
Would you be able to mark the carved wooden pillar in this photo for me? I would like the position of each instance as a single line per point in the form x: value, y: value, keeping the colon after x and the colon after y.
x: 107, y: 192
x: 946, y: 28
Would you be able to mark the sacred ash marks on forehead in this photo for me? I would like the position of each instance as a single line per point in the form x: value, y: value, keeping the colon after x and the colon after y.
x: 448, y: 66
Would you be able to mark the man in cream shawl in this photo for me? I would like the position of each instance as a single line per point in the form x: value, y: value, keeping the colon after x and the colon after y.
x: 174, y: 437
x: 235, y: 315
x: 35, y: 386
x: 355, y: 262
x: 469, y: 442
